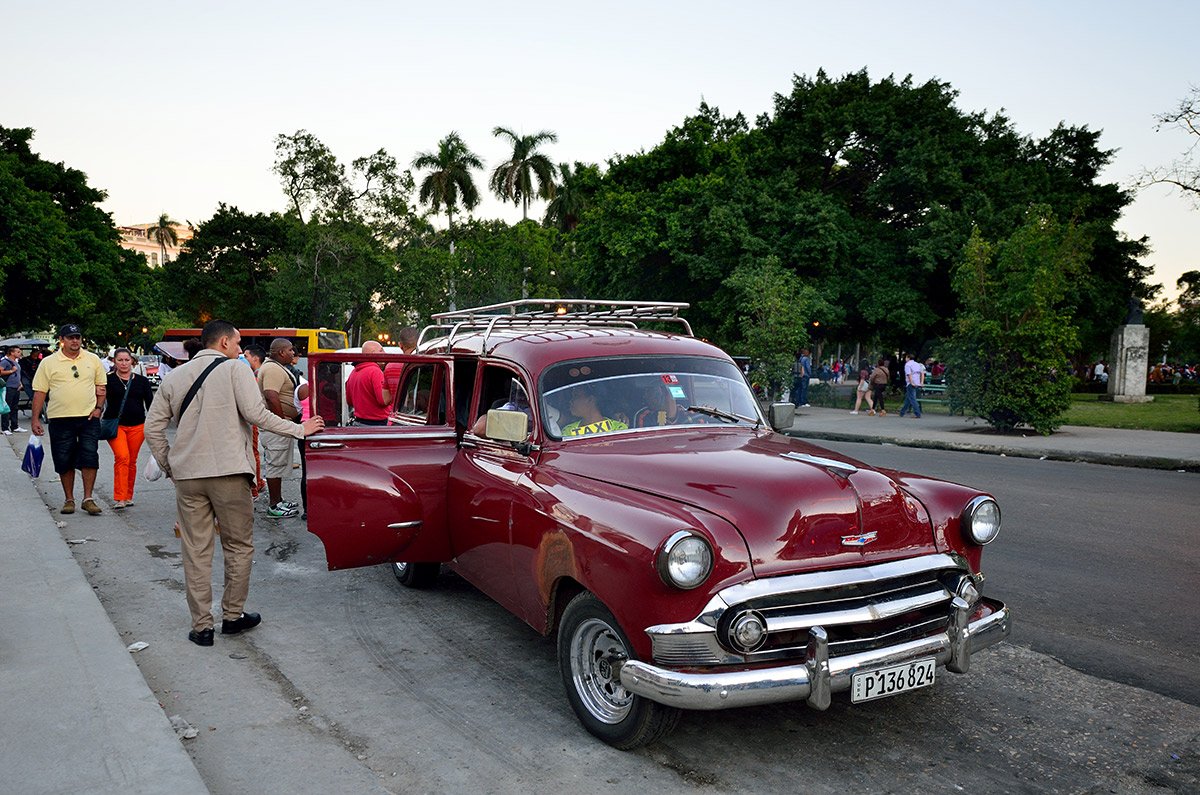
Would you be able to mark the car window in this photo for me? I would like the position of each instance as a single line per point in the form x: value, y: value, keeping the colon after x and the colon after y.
x: 501, y: 388
x: 412, y: 398
x: 587, y: 397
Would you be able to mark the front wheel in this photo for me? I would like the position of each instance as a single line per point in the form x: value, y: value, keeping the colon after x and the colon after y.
x: 589, y: 644
x: 417, y: 575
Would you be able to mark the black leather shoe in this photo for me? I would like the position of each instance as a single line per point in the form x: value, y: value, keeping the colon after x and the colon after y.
x: 247, y: 621
x: 202, y: 638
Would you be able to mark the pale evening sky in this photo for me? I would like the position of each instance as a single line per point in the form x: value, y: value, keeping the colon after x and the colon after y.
x: 174, y: 108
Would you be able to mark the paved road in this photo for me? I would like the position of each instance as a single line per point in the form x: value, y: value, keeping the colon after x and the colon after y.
x: 353, y: 683
x: 1098, y: 562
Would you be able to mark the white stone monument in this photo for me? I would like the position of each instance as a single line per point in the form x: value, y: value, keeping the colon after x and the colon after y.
x: 1129, y: 359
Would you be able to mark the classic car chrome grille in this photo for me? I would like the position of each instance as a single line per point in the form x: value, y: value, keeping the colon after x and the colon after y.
x: 861, y: 609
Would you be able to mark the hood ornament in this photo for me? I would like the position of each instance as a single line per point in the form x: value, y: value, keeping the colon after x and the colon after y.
x: 859, y: 540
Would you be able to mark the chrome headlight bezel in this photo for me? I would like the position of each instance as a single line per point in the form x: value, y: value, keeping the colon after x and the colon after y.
x: 683, y: 551
x: 981, y: 520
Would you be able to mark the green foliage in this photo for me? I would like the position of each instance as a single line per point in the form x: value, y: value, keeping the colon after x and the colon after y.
x: 772, y: 309
x: 449, y: 181
x: 59, y: 255
x: 865, y: 190
x: 572, y: 195
x: 1007, y: 360
x: 513, y: 180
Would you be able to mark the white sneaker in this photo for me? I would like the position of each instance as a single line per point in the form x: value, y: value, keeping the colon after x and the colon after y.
x: 20, y: 430
x: 806, y: 406
x: 854, y: 412
x: 8, y: 433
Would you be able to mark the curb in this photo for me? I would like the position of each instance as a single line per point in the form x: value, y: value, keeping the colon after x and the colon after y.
x: 1086, y: 457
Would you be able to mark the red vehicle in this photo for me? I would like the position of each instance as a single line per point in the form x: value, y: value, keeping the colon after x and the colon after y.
x: 621, y: 487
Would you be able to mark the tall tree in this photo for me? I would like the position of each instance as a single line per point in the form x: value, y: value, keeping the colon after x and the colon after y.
x: 572, y: 195
x: 60, y: 257
x: 1008, y: 358
x: 449, y: 182
x: 513, y: 180
x: 163, y: 233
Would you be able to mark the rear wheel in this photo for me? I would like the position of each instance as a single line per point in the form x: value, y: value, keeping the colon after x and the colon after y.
x: 590, y: 643
x: 417, y: 575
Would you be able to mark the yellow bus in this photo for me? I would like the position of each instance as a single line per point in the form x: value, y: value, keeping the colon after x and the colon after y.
x: 305, y: 340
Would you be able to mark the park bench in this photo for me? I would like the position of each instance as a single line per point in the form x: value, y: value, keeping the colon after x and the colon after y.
x: 936, y: 393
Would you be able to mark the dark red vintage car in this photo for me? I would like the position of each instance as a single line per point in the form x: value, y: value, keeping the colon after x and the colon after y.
x: 621, y: 486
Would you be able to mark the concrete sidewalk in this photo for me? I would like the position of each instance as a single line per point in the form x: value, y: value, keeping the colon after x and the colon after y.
x: 78, y: 716
x: 1147, y: 449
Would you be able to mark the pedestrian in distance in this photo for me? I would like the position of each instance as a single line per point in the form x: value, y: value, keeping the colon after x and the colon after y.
x: 278, y: 383
x: 801, y: 376
x: 128, y: 397
x: 10, y: 375
x: 407, y: 338
x: 914, y: 379
x: 213, y: 403
x: 863, y: 391
x: 76, y: 383
x: 879, y: 383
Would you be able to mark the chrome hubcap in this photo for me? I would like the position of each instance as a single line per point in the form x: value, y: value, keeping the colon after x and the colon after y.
x: 594, y: 649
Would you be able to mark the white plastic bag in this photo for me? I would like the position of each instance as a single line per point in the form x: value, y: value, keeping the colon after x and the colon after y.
x: 153, y: 470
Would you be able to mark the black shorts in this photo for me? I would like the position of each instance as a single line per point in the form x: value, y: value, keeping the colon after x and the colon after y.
x: 73, y: 443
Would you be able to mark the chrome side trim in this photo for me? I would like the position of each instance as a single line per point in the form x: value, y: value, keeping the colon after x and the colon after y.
x: 351, y: 437
x: 836, y: 467
x: 723, y: 690
x: 405, y: 525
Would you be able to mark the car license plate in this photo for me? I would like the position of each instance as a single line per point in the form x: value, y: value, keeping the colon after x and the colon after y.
x: 891, y: 680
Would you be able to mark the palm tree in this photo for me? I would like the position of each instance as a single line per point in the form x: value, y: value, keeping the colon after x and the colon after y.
x: 449, y: 180
x: 163, y: 232
x: 571, y: 196
x: 512, y: 181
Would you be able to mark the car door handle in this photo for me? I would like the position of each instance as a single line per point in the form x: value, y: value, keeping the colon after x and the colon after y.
x: 324, y: 445
x: 405, y: 525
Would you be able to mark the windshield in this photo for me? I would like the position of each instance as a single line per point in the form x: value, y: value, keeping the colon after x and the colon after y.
x: 597, y: 396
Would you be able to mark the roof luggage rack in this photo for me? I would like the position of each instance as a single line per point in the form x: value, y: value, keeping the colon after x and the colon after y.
x: 555, y: 313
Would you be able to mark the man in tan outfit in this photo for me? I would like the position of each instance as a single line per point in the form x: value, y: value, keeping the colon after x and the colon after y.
x: 212, y: 465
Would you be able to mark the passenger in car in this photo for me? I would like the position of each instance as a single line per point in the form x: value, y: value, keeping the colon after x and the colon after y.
x: 660, y: 408
x: 584, y: 405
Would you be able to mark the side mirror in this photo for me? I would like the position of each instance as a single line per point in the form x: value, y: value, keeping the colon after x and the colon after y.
x: 781, y: 416
x: 507, y: 426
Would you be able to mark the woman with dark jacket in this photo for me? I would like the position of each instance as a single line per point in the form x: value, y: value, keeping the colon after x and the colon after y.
x: 129, y: 395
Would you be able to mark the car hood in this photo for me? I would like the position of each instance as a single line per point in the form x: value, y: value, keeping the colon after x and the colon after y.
x: 794, y: 513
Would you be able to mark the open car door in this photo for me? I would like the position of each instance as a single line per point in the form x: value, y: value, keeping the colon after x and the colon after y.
x: 377, y: 493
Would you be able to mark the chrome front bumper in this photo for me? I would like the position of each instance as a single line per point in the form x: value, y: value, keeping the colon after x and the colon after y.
x: 818, y: 676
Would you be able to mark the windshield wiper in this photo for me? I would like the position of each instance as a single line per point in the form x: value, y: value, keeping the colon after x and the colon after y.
x: 712, y: 411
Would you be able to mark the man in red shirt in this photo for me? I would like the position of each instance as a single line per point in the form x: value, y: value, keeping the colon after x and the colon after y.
x: 366, y: 392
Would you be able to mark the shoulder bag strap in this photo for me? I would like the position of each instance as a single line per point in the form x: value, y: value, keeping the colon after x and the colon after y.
x: 187, y: 399
x: 128, y: 387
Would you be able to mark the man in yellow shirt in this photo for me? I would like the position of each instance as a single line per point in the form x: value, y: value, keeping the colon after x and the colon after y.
x: 75, y: 380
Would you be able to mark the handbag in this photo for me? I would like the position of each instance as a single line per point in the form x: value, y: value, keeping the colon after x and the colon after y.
x: 108, y: 428
x: 4, y: 407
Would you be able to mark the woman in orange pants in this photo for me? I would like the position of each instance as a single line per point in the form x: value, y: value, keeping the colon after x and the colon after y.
x: 129, y: 395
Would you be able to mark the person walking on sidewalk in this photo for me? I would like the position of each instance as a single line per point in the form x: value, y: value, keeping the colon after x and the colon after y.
x: 879, y: 384
x: 863, y: 390
x: 213, y: 404
x: 76, y: 382
x: 914, y: 379
x: 10, y: 375
x: 129, y: 395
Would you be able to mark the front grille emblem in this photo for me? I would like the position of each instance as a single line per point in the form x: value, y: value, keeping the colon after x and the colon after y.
x: 860, y: 540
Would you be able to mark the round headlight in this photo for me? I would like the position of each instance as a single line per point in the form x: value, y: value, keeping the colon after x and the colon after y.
x: 685, y: 560
x: 982, y: 520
